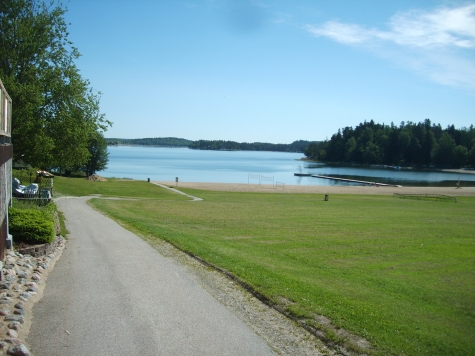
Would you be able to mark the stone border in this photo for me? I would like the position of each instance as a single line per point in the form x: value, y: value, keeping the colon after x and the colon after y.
x: 41, y: 249
x: 22, y: 287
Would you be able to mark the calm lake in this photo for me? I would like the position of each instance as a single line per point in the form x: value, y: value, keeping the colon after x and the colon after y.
x: 164, y: 164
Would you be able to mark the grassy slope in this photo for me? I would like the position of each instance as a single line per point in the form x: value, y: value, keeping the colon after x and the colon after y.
x: 398, y: 272
x: 110, y: 188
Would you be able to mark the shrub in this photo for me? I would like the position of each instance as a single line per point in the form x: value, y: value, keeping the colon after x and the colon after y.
x: 31, y: 226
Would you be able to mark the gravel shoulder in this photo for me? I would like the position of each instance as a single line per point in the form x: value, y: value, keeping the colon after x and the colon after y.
x: 283, y: 335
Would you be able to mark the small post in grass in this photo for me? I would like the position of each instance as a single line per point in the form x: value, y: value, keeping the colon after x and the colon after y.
x: 176, y: 181
x: 326, y: 197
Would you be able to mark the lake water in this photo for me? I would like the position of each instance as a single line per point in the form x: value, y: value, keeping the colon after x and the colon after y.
x: 164, y: 164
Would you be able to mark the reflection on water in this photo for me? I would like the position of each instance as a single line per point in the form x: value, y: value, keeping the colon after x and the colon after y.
x: 405, y: 177
x: 164, y: 164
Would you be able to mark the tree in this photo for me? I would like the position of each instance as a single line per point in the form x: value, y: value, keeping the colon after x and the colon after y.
x: 444, y: 150
x: 55, y: 111
x: 460, y: 156
x: 371, y: 153
x: 99, y: 156
x: 404, y: 144
x: 350, y: 148
x: 471, y: 156
x: 427, y: 148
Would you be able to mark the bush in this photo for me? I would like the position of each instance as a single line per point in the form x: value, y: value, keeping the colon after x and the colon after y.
x: 31, y: 226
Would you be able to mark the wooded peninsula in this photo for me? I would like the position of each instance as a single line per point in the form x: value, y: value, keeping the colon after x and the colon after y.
x: 217, y: 145
x: 409, y: 144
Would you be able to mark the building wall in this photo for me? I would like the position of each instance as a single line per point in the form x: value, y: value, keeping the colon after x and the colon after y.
x: 6, y: 155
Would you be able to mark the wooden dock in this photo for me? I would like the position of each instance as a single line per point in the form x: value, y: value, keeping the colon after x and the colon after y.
x: 356, y: 181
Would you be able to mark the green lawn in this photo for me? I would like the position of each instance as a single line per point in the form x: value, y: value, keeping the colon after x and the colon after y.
x: 113, y: 187
x: 400, y: 273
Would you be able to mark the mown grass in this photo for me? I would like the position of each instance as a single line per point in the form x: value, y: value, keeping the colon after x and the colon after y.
x: 400, y: 273
x: 113, y: 187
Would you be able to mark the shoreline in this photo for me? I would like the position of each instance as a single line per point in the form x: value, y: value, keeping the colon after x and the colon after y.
x: 315, y: 189
x: 460, y: 171
x: 446, y: 170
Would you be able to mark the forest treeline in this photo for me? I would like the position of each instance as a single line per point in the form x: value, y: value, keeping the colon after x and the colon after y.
x: 296, y: 146
x: 409, y: 144
x: 155, y: 141
x: 217, y: 145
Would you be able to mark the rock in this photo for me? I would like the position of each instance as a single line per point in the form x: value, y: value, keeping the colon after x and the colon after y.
x: 19, y: 318
x: 19, y: 312
x: 3, y: 345
x: 12, y: 333
x: 4, y: 312
x: 22, y: 274
x: 25, y: 295
x: 18, y: 350
x: 32, y: 289
x: 4, y: 285
x: 15, y: 325
x: 35, y: 277
x: 19, y: 305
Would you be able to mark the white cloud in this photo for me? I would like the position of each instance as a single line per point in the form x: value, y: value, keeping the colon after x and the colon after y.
x: 433, y: 43
x: 443, y: 27
x: 340, y: 32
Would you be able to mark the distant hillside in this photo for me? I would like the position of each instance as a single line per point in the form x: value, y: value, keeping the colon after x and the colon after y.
x: 296, y: 146
x: 216, y: 145
x: 156, y: 141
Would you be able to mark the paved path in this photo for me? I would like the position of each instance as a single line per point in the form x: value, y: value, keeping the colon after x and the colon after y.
x: 177, y: 191
x: 112, y: 294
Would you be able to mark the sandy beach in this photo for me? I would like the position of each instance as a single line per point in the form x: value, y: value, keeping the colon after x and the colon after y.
x: 305, y: 189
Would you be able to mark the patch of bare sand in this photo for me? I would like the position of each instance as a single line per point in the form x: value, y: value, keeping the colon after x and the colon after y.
x: 319, y: 189
x: 461, y: 171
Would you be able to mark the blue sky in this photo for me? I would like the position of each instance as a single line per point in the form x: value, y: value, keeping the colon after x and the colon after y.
x: 275, y: 70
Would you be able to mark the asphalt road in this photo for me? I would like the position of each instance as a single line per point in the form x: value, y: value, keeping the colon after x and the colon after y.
x: 112, y: 294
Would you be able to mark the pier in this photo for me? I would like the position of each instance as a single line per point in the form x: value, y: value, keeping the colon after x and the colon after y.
x: 355, y: 181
